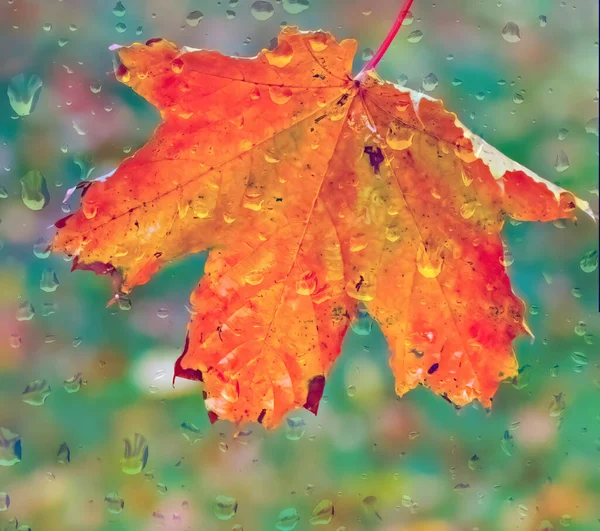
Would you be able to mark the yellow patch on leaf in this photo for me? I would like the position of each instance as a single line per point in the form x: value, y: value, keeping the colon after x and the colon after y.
x: 315, y: 192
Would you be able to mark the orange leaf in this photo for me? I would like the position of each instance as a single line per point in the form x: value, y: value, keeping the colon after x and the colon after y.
x: 317, y: 194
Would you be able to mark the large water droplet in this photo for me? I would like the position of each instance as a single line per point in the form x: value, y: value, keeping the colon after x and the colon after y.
x: 322, y: 513
x: 41, y: 248
x: 557, y: 405
x: 589, y: 262
x: 63, y: 456
x: 293, y: 7
x: 288, y: 519
x: 511, y: 33
x: 10, y: 447
x: 119, y: 10
x: 23, y: 93
x: 254, y: 278
x: 280, y: 95
x: 36, y: 392
x: 319, y: 41
x: 296, y: 427
x: 280, y: 56
x: 73, y: 384
x: 262, y: 10
x: 34, y: 190
x: 114, y: 503
x: 468, y: 209
x: 507, y: 443
x: 562, y: 162
x: 225, y: 507
x: 362, y: 324
x: 191, y: 432
x: 135, y: 455
x: 430, y: 82
x: 429, y: 264
x: 49, y: 281
x: 591, y: 126
x: 307, y: 283
x: 177, y: 65
x: 415, y: 36
x: 4, y: 501
x: 370, y: 506
x: 25, y: 311
x: 193, y: 18
x: 518, y: 98
x: 399, y: 136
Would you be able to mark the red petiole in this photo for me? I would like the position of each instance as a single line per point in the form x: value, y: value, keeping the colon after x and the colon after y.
x: 374, y: 61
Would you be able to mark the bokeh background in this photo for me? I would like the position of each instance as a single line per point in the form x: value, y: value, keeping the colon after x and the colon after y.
x: 100, y: 375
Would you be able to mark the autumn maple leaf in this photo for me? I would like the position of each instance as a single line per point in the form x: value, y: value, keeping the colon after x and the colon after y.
x: 317, y: 195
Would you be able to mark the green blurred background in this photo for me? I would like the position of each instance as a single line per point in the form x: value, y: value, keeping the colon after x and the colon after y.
x: 385, y: 463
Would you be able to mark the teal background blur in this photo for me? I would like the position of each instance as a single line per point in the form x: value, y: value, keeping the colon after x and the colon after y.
x: 410, y: 453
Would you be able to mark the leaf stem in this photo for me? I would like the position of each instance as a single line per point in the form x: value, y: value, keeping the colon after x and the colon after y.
x: 374, y: 61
